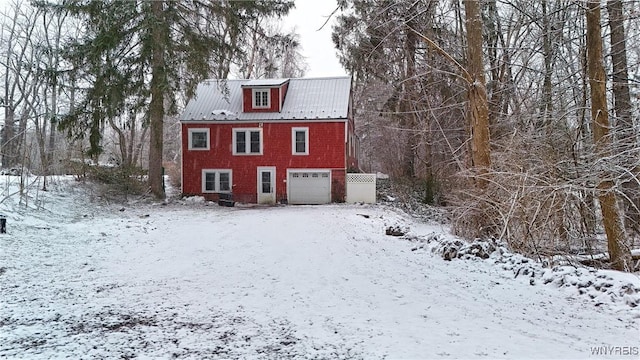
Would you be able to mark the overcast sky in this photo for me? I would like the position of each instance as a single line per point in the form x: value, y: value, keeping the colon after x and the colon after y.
x: 307, y: 17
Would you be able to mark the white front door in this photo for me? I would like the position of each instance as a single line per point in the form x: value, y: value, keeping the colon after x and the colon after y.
x: 266, y: 185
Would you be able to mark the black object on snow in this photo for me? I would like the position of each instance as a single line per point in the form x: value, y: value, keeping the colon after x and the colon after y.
x: 226, y: 199
x: 3, y: 224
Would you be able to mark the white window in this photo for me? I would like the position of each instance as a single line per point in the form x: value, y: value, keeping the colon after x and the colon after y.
x: 247, y: 141
x: 198, y: 139
x: 300, y: 141
x: 216, y: 180
x: 261, y: 98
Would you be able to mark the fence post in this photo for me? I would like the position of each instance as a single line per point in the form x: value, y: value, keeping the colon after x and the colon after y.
x: 3, y: 224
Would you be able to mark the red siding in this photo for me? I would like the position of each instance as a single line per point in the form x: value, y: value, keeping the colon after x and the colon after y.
x: 326, y: 151
x: 338, y: 185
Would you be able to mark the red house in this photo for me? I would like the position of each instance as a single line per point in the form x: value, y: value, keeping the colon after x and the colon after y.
x: 267, y: 141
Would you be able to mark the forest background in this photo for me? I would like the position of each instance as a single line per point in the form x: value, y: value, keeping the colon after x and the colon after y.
x: 520, y: 117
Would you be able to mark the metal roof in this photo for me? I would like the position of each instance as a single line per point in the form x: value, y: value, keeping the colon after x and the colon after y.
x: 306, y: 99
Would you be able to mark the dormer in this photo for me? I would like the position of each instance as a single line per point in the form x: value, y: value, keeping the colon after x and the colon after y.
x: 264, y: 95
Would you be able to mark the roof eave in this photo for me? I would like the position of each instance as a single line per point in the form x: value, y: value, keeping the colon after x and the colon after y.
x: 240, y: 121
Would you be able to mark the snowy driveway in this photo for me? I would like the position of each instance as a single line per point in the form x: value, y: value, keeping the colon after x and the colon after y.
x: 196, y: 281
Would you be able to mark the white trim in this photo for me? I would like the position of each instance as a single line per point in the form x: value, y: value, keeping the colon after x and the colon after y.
x: 315, y: 170
x: 253, y: 98
x: 256, y: 120
x: 247, y: 138
x: 291, y: 170
x: 346, y: 131
x: 217, y: 182
x: 199, y: 130
x: 306, y: 140
x: 272, y: 194
x: 263, y: 82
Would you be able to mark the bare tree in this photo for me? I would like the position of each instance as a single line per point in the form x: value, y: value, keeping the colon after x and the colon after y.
x: 619, y: 252
x: 623, y: 110
x: 18, y: 27
x: 537, y: 180
x: 478, y: 108
x: 50, y: 70
x: 398, y: 92
x: 270, y: 52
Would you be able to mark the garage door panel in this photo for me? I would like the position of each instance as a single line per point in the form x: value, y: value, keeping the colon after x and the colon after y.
x: 309, y: 187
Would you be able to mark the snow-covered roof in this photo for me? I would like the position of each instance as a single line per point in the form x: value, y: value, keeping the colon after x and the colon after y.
x: 265, y: 82
x: 306, y: 99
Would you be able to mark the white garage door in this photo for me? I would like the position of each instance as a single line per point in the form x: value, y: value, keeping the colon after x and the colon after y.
x: 309, y: 187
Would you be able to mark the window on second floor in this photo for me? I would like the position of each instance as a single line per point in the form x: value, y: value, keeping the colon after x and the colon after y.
x: 247, y: 141
x: 300, y: 141
x: 199, y: 139
x: 261, y: 98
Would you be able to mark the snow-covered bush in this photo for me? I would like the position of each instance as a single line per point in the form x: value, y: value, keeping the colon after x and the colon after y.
x: 600, y: 286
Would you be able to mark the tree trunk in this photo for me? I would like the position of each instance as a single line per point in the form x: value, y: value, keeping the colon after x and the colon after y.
x: 619, y: 253
x: 493, y: 35
x: 478, y: 111
x: 53, y: 119
x: 8, y: 140
x: 623, y: 108
x: 122, y: 142
x: 156, y: 107
x: 128, y: 156
x: 8, y: 148
x: 622, y: 97
x: 248, y: 72
x: 547, y: 104
x: 408, y: 122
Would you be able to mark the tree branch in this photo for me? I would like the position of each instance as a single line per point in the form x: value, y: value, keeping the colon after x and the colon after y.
x: 430, y: 42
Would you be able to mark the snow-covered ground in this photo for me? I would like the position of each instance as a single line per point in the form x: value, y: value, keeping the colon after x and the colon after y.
x: 82, y: 278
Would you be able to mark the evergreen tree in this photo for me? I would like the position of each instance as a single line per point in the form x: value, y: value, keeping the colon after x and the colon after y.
x: 139, y: 55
